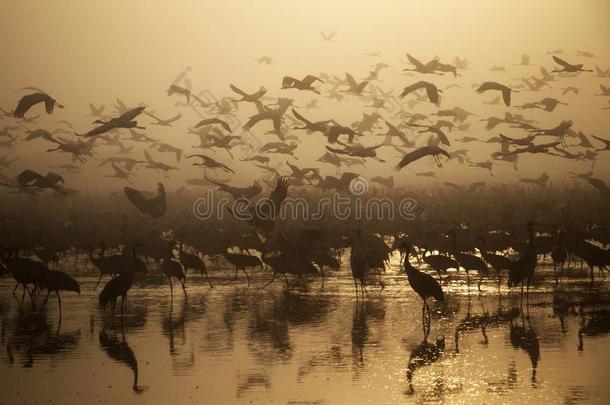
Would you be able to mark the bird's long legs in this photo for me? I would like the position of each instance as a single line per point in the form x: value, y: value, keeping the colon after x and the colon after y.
x: 322, y: 273
x: 270, y: 281
x: 204, y: 271
x: 426, y: 320
x: 98, y: 281
x: 59, y: 302
x: 45, y: 300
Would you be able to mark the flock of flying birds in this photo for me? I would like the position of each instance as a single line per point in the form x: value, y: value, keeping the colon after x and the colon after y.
x: 343, y: 147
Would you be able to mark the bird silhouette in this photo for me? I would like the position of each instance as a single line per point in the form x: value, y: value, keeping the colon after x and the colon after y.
x: 358, y: 260
x: 154, y: 207
x: 289, y: 82
x: 192, y: 261
x: 522, y: 270
x: 30, y: 100
x: 354, y: 86
x: 424, y: 285
x: 431, y: 90
x: 240, y: 261
x: 125, y: 120
x: 567, y: 67
x: 120, y: 285
x: 419, y: 153
x: 254, y: 97
x: 505, y: 90
x: 173, y: 269
x: 56, y: 281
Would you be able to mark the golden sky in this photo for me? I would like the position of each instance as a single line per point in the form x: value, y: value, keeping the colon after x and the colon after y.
x: 82, y: 51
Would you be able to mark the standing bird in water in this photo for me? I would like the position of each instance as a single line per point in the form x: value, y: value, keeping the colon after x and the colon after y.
x: 424, y: 285
x: 522, y: 270
x: 172, y: 268
x: 357, y: 260
x: 55, y: 280
x: 30, y: 100
x: 120, y: 285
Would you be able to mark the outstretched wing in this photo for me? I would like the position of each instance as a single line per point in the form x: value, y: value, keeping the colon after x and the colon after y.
x: 335, y: 150
x: 411, y: 88
x: 30, y: 178
x: 412, y: 157
x: 136, y: 198
x: 278, y: 195
x: 561, y: 61
x: 350, y: 80
x: 26, y: 103
x: 238, y: 90
x: 600, y: 186
x: 414, y: 61
x: 300, y: 117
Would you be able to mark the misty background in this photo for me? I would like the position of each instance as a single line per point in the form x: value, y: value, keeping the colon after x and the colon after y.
x: 92, y: 51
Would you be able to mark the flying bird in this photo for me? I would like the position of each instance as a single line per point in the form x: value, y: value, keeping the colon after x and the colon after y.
x: 207, y: 161
x: 154, y: 207
x: 431, y: 90
x: 417, y: 154
x: 289, y: 82
x: 567, y: 67
x: 30, y: 100
x: 506, y: 91
x: 248, y: 97
x: 212, y: 121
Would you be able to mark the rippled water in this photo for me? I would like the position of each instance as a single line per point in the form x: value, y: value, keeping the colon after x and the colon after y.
x: 308, y: 345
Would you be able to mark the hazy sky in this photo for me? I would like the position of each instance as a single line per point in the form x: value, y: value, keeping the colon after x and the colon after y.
x: 82, y: 51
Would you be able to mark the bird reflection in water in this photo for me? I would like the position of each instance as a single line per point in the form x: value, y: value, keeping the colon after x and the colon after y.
x: 174, y: 328
x: 424, y: 354
x: 33, y: 338
x: 524, y: 337
x: 598, y: 324
x: 119, y: 351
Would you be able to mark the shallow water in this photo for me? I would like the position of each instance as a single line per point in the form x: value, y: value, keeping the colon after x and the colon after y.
x: 309, y: 345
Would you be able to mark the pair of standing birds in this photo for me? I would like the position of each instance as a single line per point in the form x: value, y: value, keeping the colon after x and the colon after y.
x: 423, y: 284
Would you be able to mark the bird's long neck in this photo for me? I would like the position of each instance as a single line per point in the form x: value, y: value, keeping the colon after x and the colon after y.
x: 91, y: 257
x: 409, y: 269
x: 532, y: 246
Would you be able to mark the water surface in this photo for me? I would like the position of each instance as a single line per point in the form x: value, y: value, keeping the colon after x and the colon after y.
x: 308, y: 345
